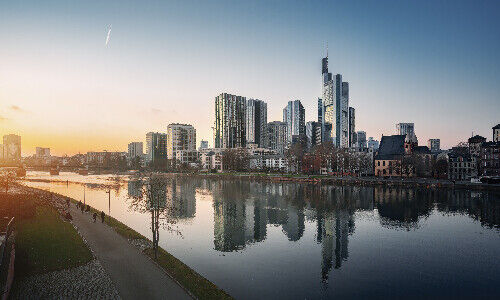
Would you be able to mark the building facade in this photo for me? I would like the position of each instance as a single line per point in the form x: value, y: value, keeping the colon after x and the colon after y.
x: 276, y: 136
x: 389, y: 159
x: 11, y: 147
x: 256, y: 122
x: 461, y: 166
x: 203, y: 145
x: 361, y: 139
x: 407, y: 129
x: 335, y: 100
x: 295, y: 118
x: 156, y: 146
x: 135, y: 149
x: 496, y: 133
x: 434, y: 145
x: 475, y: 143
x: 312, y: 130
x: 490, y: 159
x: 180, y: 137
x: 229, y: 125
x: 42, y: 152
x: 372, y: 144
x: 352, y: 127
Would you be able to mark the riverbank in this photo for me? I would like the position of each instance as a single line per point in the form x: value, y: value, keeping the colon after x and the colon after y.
x: 361, y: 181
x: 102, y: 239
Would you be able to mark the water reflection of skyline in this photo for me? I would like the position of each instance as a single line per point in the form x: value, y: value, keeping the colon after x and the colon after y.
x: 244, y: 210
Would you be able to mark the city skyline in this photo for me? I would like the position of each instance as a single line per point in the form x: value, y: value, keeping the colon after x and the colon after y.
x: 70, y: 86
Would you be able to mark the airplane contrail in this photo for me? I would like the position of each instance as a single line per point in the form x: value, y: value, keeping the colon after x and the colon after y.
x: 109, y: 35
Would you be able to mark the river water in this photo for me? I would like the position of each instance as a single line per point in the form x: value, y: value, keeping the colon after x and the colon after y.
x: 296, y: 241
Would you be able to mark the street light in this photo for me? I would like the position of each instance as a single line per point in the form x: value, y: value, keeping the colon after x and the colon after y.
x: 109, y: 201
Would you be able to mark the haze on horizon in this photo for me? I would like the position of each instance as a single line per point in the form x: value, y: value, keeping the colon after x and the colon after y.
x: 64, y: 85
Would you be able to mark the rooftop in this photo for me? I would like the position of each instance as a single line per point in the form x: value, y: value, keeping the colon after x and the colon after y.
x: 391, y: 147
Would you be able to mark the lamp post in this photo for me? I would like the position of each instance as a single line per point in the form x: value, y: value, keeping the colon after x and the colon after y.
x: 109, y: 201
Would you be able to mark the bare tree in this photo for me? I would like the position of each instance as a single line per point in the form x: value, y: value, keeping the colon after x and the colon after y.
x: 154, y: 195
x: 7, y: 178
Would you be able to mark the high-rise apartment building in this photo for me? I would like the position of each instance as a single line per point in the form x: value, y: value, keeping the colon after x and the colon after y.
x: 295, y: 119
x: 156, y: 146
x: 434, y: 145
x: 373, y: 144
x: 407, y: 129
x: 42, y: 152
x: 229, y: 125
x: 352, y: 127
x: 276, y: 136
x: 336, y: 106
x: 11, y: 147
x: 135, y: 149
x: 256, y: 122
x: 496, y: 133
x: 180, y: 137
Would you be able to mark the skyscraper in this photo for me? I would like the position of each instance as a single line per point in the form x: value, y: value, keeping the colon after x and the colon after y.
x: 311, y: 133
x: 156, y: 146
x: 256, y: 122
x: 336, y: 106
x: 407, y: 129
x: 352, y: 127
x: 434, y: 145
x: 276, y: 136
x: 295, y: 119
x: 229, y: 125
x: 180, y: 137
x: 11, y: 147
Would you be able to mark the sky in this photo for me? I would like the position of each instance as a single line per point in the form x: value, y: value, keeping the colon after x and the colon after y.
x: 433, y: 63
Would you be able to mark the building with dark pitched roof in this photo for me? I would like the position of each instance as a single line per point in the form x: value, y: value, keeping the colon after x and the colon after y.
x: 390, y: 155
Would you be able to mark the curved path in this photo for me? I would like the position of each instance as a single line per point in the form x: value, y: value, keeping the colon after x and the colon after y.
x: 134, y: 275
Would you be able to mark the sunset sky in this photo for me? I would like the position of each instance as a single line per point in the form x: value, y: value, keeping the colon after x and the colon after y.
x: 434, y: 63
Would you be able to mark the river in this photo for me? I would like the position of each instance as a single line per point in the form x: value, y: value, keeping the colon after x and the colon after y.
x: 295, y: 241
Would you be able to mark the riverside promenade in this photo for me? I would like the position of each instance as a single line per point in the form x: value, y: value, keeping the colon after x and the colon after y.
x: 134, y: 275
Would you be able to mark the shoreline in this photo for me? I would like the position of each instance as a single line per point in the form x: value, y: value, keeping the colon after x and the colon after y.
x: 192, y: 282
x: 354, y: 181
x: 328, y: 180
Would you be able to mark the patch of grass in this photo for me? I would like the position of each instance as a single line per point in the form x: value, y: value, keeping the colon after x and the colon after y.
x: 46, y: 243
x: 200, y: 287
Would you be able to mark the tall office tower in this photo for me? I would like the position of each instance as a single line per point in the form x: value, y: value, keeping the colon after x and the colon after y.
x: 229, y: 125
x: 1, y: 151
x: 156, y: 146
x: 312, y: 133
x: 361, y: 136
x: 180, y: 137
x: 135, y: 149
x: 407, y: 129
x: 276, y: 136
x: 434, y: 145
x: 321, y: 120
x: 203, y: 145
x: 336, y: 106
x: 256, y: 122
x: 11, y: 147
x: 352, y: 127
x: 42, y: 152
x: 295, y: 118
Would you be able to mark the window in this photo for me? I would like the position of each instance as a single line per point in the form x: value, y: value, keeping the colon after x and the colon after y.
x: 383, y: 163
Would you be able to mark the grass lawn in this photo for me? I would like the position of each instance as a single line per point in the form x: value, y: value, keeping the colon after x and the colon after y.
x: 46, y: 243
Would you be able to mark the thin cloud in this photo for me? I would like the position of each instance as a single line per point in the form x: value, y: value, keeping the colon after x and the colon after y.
x: 16, y: 108
x: 3, y: 119
x: 108, y: 36
x: 156, y: 110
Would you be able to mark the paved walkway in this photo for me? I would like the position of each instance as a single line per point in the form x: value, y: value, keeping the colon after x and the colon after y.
x: 134, y: 275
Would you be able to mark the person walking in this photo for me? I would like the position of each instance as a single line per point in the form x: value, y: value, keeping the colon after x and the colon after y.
x: 94, y: 216
x: 102, y: 216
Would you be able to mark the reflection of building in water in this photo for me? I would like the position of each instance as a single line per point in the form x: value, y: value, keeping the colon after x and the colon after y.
x: 181, y: 198
x: 134, y: 188
x: 333, y: 231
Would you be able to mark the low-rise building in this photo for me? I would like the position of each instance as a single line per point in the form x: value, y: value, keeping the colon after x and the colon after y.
x: 461, y: 166
x: 434, y: 145
x: 186, y: 156
x: 388, y: 161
